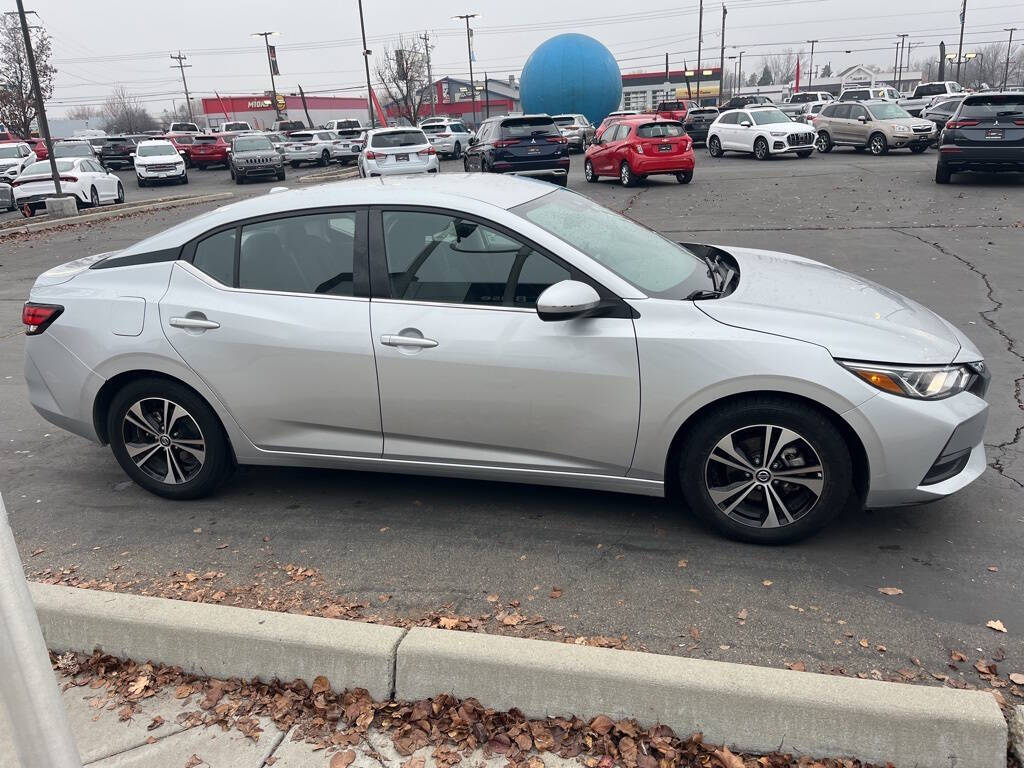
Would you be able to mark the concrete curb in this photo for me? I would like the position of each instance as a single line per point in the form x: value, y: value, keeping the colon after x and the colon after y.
x: 219, y: 641
x: 325, y: 177
x: 109, y: 211
x: 749, y: 708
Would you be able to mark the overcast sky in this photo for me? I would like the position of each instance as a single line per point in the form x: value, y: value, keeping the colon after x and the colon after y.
x: 126, y: 42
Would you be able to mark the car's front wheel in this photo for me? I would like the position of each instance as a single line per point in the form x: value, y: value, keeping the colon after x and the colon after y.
x: 167, y: 439
x: 715, y: 147
x: 761, y: 149
x: 588, y: 171
x: 878, y: 144
x: 765, y: 470
x: 325, y: 158
x: 120, y: 193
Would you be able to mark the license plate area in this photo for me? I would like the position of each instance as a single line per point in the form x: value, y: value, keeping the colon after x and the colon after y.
x: 403, y: 156
x: 665, y: 148
x: 994, y: 133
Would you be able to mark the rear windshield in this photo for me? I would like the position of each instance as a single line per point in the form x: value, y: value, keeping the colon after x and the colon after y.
x: 348, y: 133
x: 205, y: 140
x: 435, y: 128
x: 996, y: 105
x: 671, y: 105
x: 184, y: 139
x: 99, y: 141
x: 660, y: 131
x: 72, y: 150
x: 398, y: 139
x: 236, y: 126
x: 300, y: 136
x: 565, y: 120
x: 769, y: 116
x: 525, y: 127
x: 703, y: 111
x: 44, y: 167
x: 888, y: 111
x: 117, y: 140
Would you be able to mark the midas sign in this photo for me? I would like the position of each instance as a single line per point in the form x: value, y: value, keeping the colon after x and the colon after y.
x: 259, y: 104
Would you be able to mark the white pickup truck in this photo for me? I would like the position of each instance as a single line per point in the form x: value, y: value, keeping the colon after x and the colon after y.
x: 925, y: 93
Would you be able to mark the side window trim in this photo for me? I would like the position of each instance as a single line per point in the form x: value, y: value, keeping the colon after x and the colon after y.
x: 380, y: 282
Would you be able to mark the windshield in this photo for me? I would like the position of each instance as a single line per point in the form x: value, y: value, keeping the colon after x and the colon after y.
x: 252, y: 144
x: 993, y: 106
x: 184, y: 127
x: 44, y: 167
x: 887, y: 111
x: 769, y: 116
x: 72, y: 150
x: 398, y: 139
x: 11, y: 150
x: 655, y: 265
x: 524, y: 128
x: 154, y: 150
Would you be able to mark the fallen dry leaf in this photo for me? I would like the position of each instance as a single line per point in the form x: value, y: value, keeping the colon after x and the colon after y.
x: 994, y: 568
x: 995, y: 624
x: 37, y: 552
x: 863, y: 642
x: 984, y: 667
x: 797, y: 666
x: 556, y: 592
x: 195, y: 760
x: 742, y: 615
x: 890, y: 590
x: 767, y: 583
x: 681, y: 564
x: 1017, y: 678
x: 321, y: 685
x: 728, y: 759
x: 343, y: 759
x: 958, y: 656
x: 156, y: 722
x: 448, y: 622
x: 492, y: 598
x: 601, y: 724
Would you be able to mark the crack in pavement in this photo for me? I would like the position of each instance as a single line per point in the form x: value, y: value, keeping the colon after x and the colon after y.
x: 632, y: 200
x: 1011, y: 346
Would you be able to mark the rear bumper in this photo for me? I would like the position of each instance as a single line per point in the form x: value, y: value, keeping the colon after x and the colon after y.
x: 60, y: 386
x: 698, y: 133
x: 557, y: 167
x: 209, y: 159
x: 400, y: 168
x: 647, y: 165
x: 992, y: 159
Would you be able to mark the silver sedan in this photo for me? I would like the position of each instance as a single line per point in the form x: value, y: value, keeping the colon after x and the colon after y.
x: 501, y: 328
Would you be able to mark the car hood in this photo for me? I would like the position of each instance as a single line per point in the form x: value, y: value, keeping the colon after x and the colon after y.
x: 851, y: 317
x: 269, y: 154
x: 9, y: 162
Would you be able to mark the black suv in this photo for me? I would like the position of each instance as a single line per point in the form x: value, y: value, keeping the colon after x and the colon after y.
x: 531, y: 145
x: 986, y: 133
x: 738, y: 102
x: 116, y: 152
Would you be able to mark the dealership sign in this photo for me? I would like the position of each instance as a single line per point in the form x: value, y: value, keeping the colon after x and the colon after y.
x: 260, y: 104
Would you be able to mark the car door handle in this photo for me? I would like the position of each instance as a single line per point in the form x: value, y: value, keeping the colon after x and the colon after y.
x: 392, y: 340
x: 194, y: 323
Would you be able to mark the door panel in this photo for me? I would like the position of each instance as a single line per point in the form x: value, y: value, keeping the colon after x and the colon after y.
x: 504, y: 387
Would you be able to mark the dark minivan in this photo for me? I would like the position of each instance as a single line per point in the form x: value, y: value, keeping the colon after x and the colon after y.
x: 531, y: 145
x: 985, y: 134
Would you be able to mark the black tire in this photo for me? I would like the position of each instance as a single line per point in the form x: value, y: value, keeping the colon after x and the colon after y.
x: 942, y: 174
x: 295, y: 163
x: 196, y: 482
x: 120, y: 193
x: 94, y: 198
x: 458, y: 151
x: 280, y: 175
x: 917, y: 149
x: 140, y: 181
x: 231, y: 172
x: 715, y: 147
x: 588, y: 171
x: 685, y: 177
x: 184, y: 178
x: 748, y: 416
x: 325, y: 159
x: 878, y: 144
x: 824, y: 142
x: 626, y: 175
x: 804, y: 152
x: 761, y: 149
x: 239, y: 179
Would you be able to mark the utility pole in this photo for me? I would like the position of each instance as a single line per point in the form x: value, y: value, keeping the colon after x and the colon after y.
x: 487, y: 101
x: 182, y: 66
x: 366, y: 63
x: 906, y: 66
x: 700, y: 42
x: 721, y: 58
x: 1009, y: 47
x: 895, y: 65
x: 469, y: 49
x: 44, y: 127
x: 960, y: 47
x: 430, y: 75
x: 271, y: 62
x: 740, y: 76
x: 901, y: 46
x: 810, y: 67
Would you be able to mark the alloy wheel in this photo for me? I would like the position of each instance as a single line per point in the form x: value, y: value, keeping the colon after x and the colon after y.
x: 94, y: 198
x: 588, y: 170
x: 625, y: 175
x: 823, y: 143
x: 760, y: 149
x: 764, y: 476
x: 878, y: 144
x: 164, y: 440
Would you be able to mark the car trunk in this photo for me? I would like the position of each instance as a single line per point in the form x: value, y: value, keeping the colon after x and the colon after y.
x: 530, y: 140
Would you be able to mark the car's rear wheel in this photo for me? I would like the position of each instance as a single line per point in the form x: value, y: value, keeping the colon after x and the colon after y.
x: 685, y: 177
x: 626, y: 175
x: 167, y: 439
x: 94, y: 198
x: 458, y: 151
x: 823, y: 143
x: 715, y: 147
x: 765, y: 470
x: 465, y: 164
x: 761, y: 149
x: 878, y: 144
x: 588, y: 171
x: 942, y: 174
x: 325, y: 158
x: 120, y: 192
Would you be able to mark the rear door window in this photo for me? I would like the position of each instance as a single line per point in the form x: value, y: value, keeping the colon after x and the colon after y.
x: 216, y: 256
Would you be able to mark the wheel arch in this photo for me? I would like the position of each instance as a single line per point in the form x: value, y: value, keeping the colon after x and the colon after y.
x: 858, y: 453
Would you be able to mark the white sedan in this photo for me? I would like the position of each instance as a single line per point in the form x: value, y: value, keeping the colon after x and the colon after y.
x: 762, y: 131
x: 80, y: 177
x: 391, y: 151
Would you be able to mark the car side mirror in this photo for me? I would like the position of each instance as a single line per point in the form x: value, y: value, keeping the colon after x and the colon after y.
x: 132, y: 155
x: 472, y: 140
x: 862, y: 119
x: 745, y: 124
x: 181, y: 152
x: 566, y: 300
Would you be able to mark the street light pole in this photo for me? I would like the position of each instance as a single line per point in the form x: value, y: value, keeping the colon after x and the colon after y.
x: 366, y: 63
x: 1009, y: 47
x: 270, y: 63
x: 469, y: 49
x: 721, y: 58
x: 740, y: 78
x: 44, y: 127
x: 700, y: 42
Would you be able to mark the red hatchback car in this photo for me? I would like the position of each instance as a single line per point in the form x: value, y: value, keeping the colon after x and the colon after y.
x: 209, y: 150
x: 637, y: 147
x: 39, y: 147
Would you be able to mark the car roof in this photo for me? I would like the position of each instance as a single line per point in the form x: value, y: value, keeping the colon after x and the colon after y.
x: 760, y: 106
x: 153, y: 141
x: 476, y: 192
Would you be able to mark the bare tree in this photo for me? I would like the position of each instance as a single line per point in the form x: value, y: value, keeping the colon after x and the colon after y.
x: 84, y: 112
x: 783, y: 65
x: 126, y: 114
x: 403, y: 72
x: 17, y: 98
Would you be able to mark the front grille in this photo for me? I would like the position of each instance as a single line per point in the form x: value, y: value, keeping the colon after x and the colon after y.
x: 259, y: 160
x: 922, y: 129
x: 798, y: 139
x: 162, y: 168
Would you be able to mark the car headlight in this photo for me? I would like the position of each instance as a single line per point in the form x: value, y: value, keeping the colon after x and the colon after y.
x: 919, y: 382
x: 901, y: 129
x: 777, y: 133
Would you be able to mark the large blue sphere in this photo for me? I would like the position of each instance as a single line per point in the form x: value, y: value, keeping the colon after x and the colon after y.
x: 571, y: 73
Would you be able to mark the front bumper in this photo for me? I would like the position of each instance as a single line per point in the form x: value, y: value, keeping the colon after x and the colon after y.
x: 898, y: 140
x: 909, y: 443
x: 145, y: 173
x: 245, y: 171
x: 779, y: 145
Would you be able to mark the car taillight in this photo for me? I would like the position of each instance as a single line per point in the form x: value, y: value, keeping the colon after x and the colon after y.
x: 309, y: 143
x: 557, y: 140
x: 371, y: 155
x: 427, y: 151
x: 961, y: 123
x: 38, y: 317
x: 69, y: 178
x: 1018, y: 122
x: 505, y: 143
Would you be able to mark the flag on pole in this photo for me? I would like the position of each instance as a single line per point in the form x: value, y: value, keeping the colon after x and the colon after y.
x: 797, y: 89
x: 376, y: 106
x: 272, y: 52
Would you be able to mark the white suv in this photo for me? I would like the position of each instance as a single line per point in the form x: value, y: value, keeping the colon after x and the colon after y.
x: 447, y: 137
x: 14, y: 158
x: 158, y: 160
x: 762, y: 131
x: 311, y: 147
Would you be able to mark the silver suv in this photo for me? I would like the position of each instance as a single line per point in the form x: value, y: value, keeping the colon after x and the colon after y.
x: 874, y: 125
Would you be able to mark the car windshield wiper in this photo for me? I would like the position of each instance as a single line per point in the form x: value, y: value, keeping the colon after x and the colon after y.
x: 713, y: 264
x: 703, y: 293
x: 1009, y: 113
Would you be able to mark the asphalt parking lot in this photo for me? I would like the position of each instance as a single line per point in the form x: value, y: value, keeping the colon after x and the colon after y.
x: 623, y: 565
